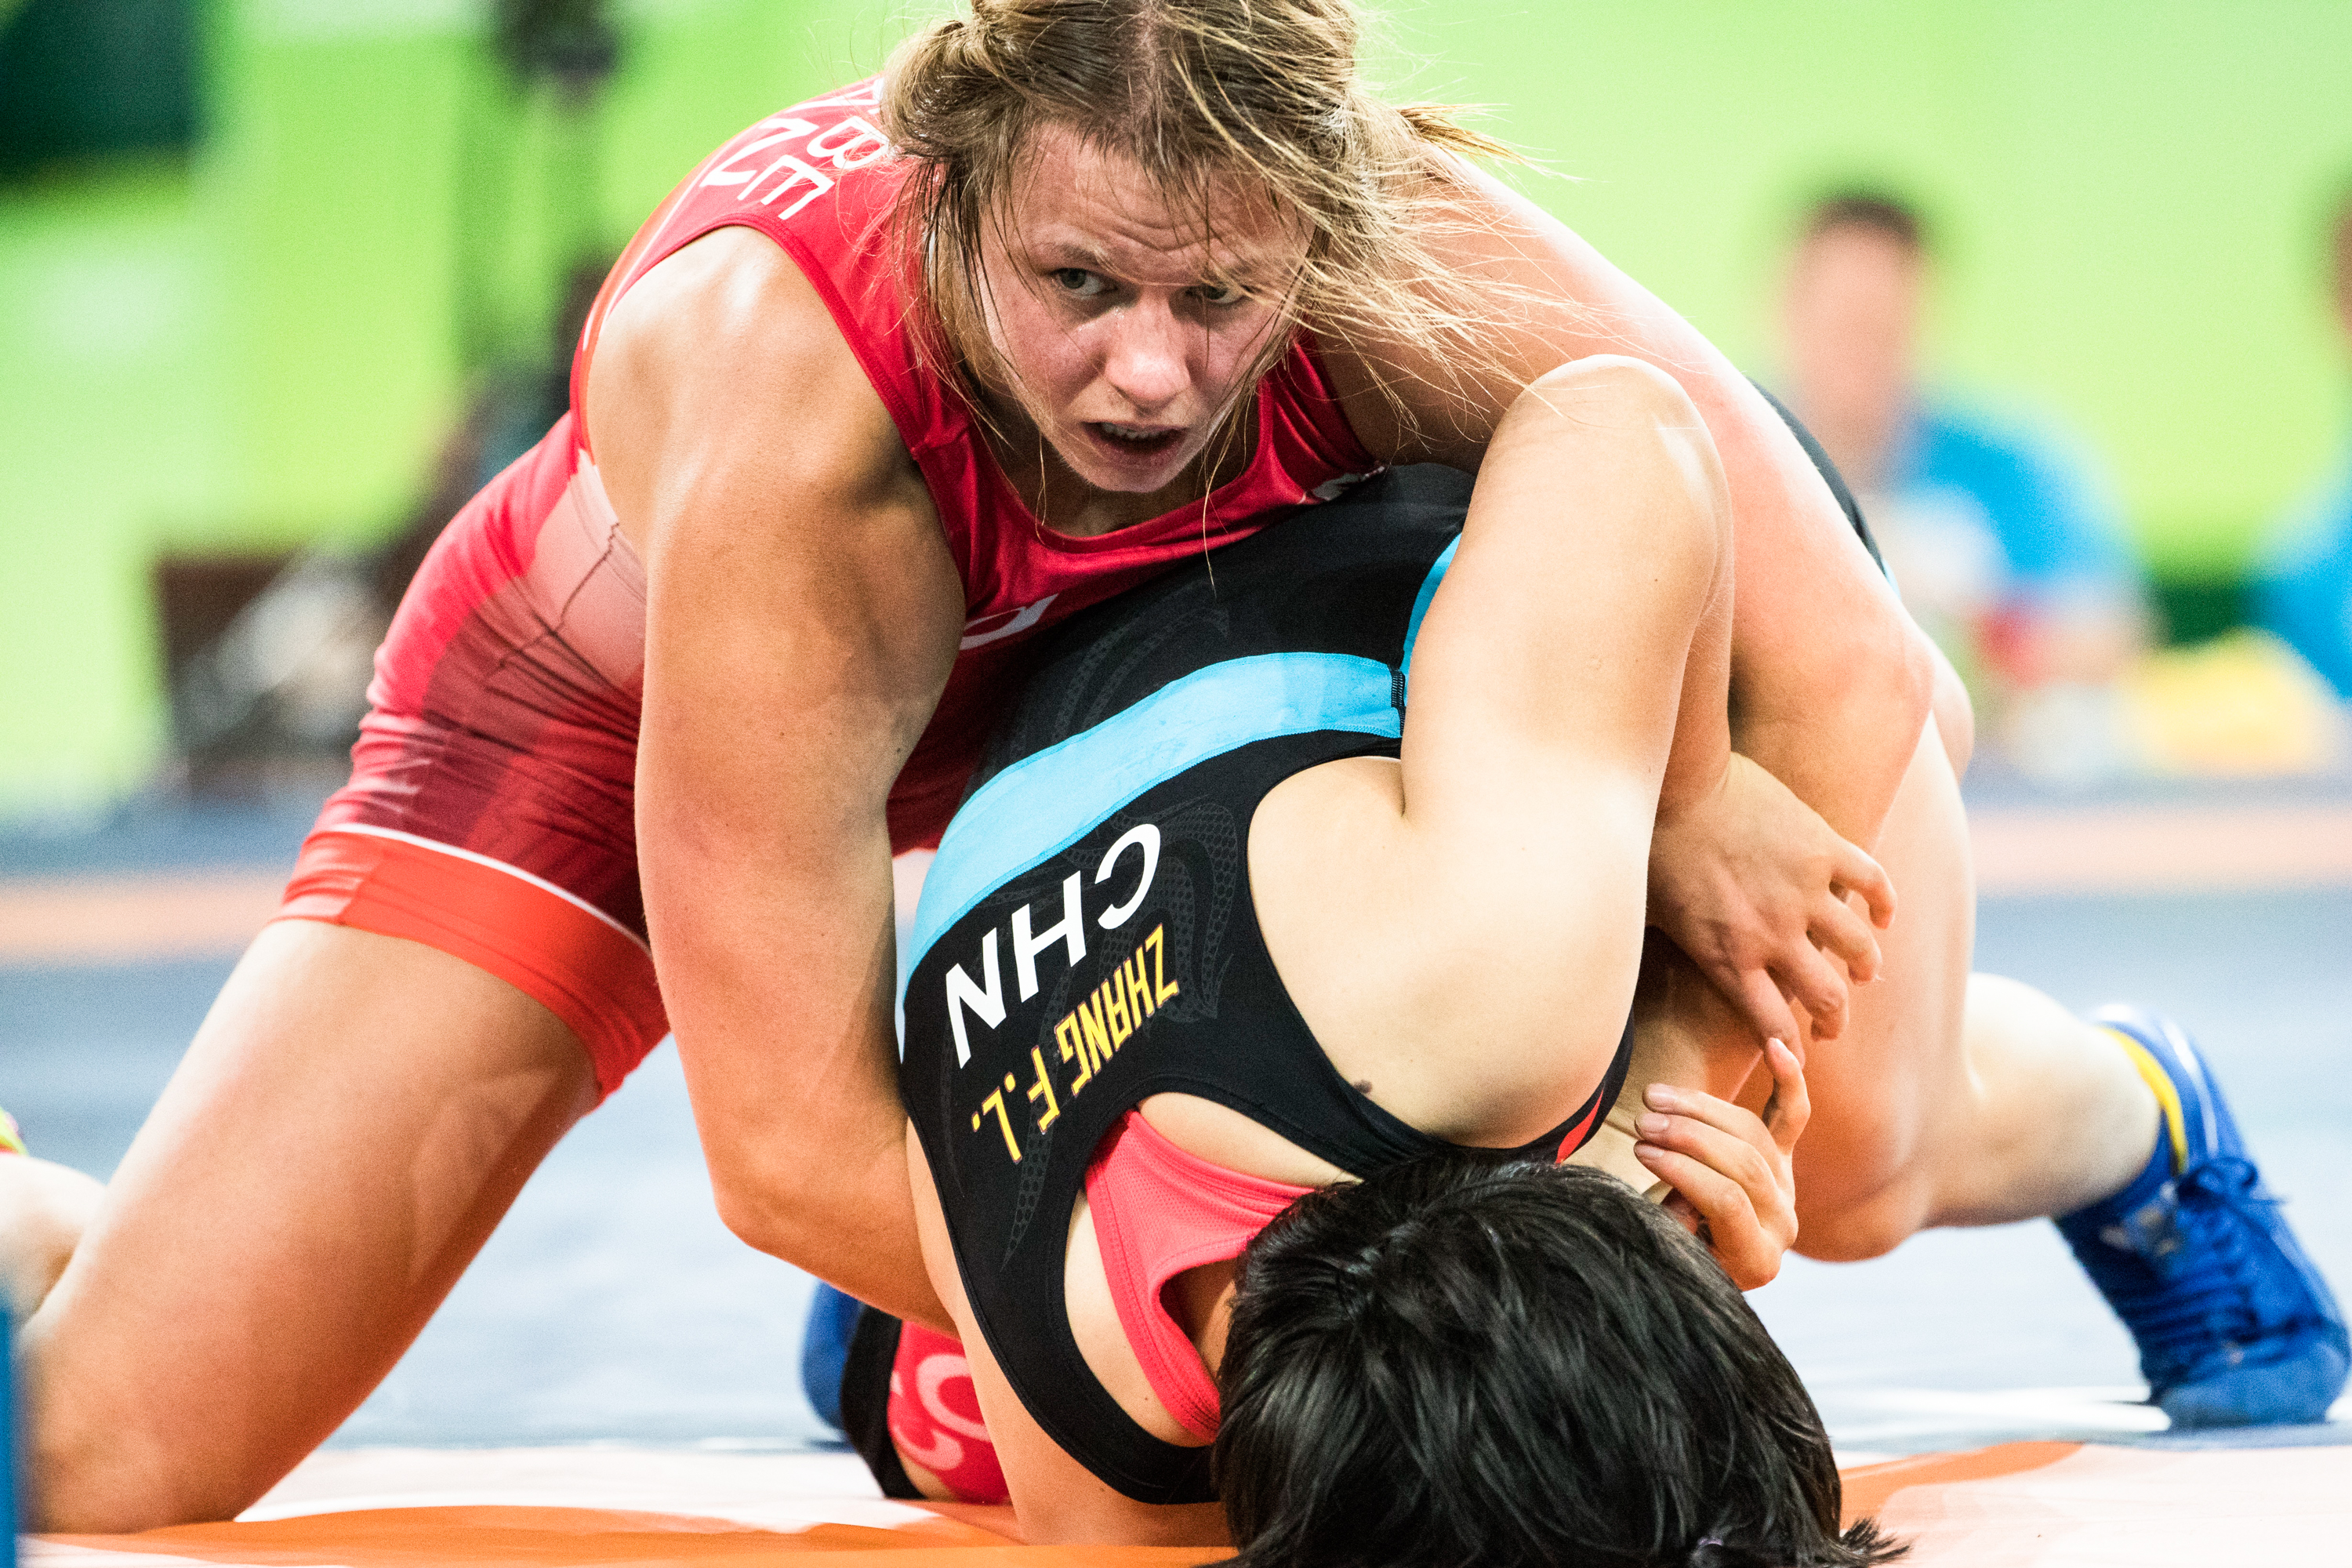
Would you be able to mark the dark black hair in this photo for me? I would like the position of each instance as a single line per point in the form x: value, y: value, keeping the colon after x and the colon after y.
x: 1881, y: 212
x: 1463, y: 1362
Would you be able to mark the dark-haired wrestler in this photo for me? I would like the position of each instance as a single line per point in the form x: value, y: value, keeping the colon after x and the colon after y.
x: 1318, y: 872
x: 1324, y: 867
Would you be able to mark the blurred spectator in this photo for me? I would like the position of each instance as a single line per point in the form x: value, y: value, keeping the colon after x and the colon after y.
x: 2004, y: 547
x: 2304, y: 581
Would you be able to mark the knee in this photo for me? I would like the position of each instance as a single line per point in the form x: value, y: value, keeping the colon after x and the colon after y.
x: 44, y: 1209
x: 85, y: 1476
x: 103, y: 1451
x: 1851, y: 1231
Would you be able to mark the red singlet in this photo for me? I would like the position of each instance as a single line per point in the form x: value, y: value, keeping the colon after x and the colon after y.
x: 489, y: 812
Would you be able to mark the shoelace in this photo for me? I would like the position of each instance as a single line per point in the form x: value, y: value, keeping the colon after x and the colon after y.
x: 2180, y: 1317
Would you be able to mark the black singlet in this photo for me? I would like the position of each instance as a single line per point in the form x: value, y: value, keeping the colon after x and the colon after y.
x: 1087, y: 936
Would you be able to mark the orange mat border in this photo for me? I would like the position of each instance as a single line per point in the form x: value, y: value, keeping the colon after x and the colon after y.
x: 958, y: 1535
x: 976, y: 1536
x: 1869, y: 1488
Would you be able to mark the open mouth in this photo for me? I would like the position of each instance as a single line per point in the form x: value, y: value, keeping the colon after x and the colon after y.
x: 1134, y: 441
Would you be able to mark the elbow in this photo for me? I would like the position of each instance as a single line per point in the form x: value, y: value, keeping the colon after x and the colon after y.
x: 1910, y: 681
x: 747, y: 1207
x: 1672, y: 479
x: 1884, y: 670
x: 767, y: 1190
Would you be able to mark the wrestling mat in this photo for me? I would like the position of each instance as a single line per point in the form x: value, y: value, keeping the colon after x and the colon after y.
x: 2047, y: 1505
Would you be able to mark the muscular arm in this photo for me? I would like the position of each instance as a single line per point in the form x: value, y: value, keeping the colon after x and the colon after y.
x: 1830, y: 680
x: 802, y: 616
x: 1462, y: 929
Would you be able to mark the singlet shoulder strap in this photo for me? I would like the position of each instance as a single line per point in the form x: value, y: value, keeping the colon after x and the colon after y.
x: 819, y: 180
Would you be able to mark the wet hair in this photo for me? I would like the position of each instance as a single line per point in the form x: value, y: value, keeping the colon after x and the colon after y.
x: 1259, y: 99
x: 1466, y: 1364
x: 1880, y: 212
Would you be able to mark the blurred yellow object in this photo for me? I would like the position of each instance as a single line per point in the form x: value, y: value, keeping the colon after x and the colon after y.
x: 2242, y: 705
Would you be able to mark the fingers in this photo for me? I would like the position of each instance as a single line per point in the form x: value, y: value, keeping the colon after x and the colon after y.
x: 1728, y: 1170
x: 1792, y: 1106
x: 1817, y: 987
x: 1759, y: 1000
x: 1729, y: 1137
x: 1723, y: 1209
x: 1856, y: 872
x: 1846, y: 933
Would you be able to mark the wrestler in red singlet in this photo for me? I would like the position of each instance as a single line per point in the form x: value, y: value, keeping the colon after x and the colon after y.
x: 491, y: 809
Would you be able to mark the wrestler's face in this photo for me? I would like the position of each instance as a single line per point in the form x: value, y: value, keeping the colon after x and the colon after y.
x: 1125, y: 334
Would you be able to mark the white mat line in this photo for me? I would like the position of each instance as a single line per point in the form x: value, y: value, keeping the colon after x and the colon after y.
x: 754, y: 1512
x: 33, y: 1553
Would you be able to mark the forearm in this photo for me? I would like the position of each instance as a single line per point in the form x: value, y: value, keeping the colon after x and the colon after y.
x: 793, y: 1072
x: 765, y: 857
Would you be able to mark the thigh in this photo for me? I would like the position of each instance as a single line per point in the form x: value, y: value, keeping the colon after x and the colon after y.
x: 1892, y: 1107
x: 1892, y: 1103
x: 353, y: 1117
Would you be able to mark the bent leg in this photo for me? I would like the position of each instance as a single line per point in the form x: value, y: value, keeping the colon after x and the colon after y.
x: 1949, y: 1100
x: 353, y: 1117
x: 44, y: 1209
x: 1952, y: 1099
x: 1960, y: 1099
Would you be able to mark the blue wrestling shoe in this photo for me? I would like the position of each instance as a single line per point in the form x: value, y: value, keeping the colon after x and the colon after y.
x: 2235, y: 1327
x: 824, y: 1350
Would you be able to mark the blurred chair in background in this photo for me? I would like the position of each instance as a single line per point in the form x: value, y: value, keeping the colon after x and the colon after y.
x: 276, y: 695
x: 2303, y: 590
x: 269, y: 660
x: 2004, y: 546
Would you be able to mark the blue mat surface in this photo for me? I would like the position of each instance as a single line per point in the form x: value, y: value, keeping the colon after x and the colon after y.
x: 614, y: 1305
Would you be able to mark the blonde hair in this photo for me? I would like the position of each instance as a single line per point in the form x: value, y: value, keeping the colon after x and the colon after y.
x: 1262, y: 94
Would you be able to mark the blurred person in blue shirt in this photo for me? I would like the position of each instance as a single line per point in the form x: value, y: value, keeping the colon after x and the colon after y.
x: 2303, y: 590
x: 2004, y: 545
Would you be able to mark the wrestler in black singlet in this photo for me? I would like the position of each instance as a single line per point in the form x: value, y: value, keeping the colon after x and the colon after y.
x: 1087, y: 936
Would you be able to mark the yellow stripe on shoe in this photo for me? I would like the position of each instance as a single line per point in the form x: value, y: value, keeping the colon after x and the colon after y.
x: 11, y: 1142
x: 2168, y: 1094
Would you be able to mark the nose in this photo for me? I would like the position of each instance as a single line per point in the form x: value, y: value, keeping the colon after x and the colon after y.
x: 1146, y: 358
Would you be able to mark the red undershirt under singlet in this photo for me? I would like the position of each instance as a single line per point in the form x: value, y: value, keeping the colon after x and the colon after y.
x: 1158, y: 1211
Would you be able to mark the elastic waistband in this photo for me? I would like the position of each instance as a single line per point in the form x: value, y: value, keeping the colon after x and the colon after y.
x: 573, y: 959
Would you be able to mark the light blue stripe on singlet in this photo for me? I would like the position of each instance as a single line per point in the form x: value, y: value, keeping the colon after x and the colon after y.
x: 1042, y: 805
x: 1420, y: 607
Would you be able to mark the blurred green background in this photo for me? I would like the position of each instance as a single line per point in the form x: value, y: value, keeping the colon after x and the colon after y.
x: 254, y: 254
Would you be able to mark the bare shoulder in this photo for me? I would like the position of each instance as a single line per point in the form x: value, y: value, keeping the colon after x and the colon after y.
x: 723, y: 364
x: 1535, y: 296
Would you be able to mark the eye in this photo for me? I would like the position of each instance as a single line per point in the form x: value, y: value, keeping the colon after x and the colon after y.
x: 1079, y: 282
x: 1220, y: 294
